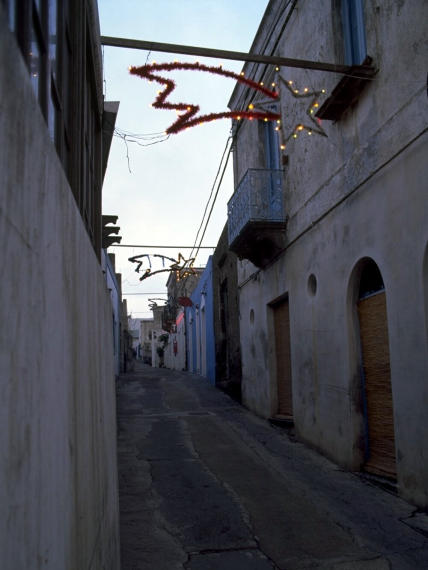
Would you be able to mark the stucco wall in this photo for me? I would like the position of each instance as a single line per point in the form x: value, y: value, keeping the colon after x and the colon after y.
x: 359, y: 193
x: 58, y: 495
x: 226, y: 317
x: 200, y: 331
x: 175, y: 350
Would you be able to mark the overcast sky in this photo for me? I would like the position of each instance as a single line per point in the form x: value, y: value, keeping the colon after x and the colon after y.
x: 160, y: 191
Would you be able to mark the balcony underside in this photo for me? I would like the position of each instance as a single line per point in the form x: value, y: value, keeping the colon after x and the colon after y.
x: 259, y: 241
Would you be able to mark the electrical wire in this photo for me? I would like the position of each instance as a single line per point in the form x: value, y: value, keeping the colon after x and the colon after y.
x: 160, y: 246
x: 209, y: 198
x: 216, y: 194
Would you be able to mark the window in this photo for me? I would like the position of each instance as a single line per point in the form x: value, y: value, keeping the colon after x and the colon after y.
x: 271, y: 146
x: 269, y: 136
x: 348, y: 90
x: 59, y: 42
x: 353, y: 32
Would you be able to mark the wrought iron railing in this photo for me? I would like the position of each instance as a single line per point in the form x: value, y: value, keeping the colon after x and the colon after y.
x: 258, y: 198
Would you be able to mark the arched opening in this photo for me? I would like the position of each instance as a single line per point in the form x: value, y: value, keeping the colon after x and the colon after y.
x: 376, y: 374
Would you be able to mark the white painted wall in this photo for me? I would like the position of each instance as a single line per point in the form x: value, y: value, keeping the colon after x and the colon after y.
x: 360, y: 192
x: 176, y: 359
x: 58, y: 473
x: 113, y: 288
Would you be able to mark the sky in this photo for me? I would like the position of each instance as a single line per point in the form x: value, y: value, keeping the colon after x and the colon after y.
x: 160, y: 191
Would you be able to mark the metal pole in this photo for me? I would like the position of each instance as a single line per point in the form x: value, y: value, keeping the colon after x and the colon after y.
x: 360, y: 70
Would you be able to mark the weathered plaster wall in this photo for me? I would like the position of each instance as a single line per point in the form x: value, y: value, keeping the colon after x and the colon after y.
x: 226, y: 317
x: 108, y: 266
x: 58, y: 492
x: 359, y: 193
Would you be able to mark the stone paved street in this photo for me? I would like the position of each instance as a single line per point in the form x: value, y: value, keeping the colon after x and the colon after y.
x: 206, y: 485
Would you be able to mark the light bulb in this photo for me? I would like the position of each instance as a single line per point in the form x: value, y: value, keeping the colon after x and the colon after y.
x: 276, y: 68
x: 273, y: 84
x: 251, y: 106
x: 300, y: 127
x: 282, y: 147
x: 305, y: 89
x: 261, y: 83
x: 290, y: 83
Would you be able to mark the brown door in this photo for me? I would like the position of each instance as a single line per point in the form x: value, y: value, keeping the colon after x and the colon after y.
x: 377, y: 385
x: 283, y: 358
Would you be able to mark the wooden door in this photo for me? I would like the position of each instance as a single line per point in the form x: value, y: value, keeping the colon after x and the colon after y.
x: 283, y: 358
x: 377, y: 385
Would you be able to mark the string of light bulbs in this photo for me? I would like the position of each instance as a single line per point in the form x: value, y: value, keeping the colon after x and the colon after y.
x: 187, y: 114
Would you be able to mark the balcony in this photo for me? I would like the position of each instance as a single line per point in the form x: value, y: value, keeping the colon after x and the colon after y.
x: 256, y: 221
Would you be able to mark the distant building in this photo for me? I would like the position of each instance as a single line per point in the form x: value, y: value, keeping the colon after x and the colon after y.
x: 200, y: 327
x: 146, y: 328
x: 114, y: 287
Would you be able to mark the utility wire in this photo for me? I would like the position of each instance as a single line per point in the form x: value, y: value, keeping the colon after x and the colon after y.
x: 215, y: 197
x: 209, y: 198
x: 156, y: 293
x: 161, y: 246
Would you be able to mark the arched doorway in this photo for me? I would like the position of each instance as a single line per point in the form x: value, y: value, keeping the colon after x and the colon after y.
x: 376, y: 374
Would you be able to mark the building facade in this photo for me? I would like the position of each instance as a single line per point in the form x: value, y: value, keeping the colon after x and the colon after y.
x: 58, y: 496
x: 329, y: 221
x: 114, y: 288
x: 226, y: 318
x: 200, y: 327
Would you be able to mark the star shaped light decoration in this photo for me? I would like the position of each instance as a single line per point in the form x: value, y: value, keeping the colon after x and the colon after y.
x: 313, y: 126
x: 185, y: 269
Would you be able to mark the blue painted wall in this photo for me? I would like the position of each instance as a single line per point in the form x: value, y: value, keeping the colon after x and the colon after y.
x: 202, y: 299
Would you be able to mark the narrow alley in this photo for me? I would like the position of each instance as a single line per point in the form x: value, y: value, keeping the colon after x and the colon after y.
x: 204, y: 485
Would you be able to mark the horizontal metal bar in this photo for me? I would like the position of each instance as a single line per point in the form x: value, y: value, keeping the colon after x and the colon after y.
x: 365, y: 70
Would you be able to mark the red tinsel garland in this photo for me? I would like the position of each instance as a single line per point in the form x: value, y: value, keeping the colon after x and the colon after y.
x: 188, y: 119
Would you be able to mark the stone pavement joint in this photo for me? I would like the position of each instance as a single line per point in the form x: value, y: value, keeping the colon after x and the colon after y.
x: 206, y: 485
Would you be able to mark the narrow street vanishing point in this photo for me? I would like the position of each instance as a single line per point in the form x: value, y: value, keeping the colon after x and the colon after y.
x: 207, y: 485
